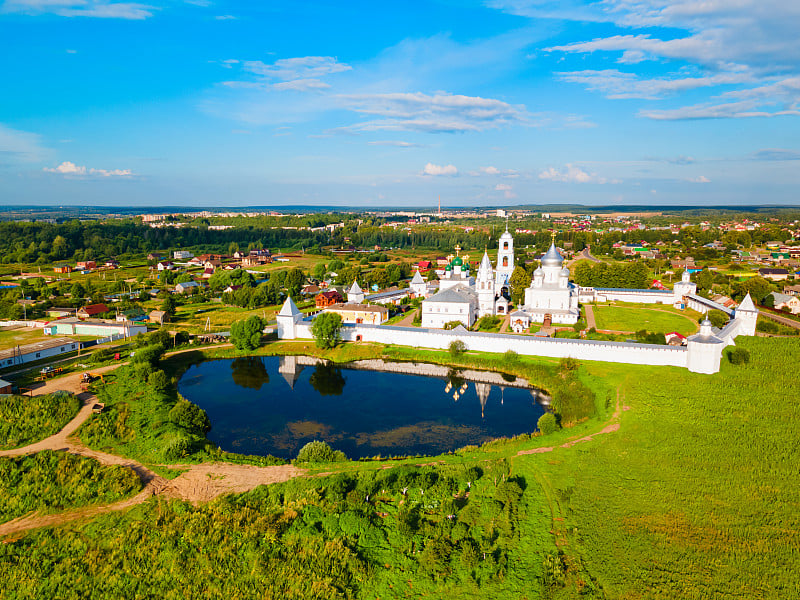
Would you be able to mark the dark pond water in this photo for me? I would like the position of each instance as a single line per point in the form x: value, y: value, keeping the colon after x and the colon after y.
x: 275, y: 405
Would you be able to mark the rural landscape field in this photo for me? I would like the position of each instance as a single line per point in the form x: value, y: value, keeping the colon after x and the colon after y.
x: 491, y: 299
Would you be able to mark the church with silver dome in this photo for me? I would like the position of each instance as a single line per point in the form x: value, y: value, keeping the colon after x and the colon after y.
x: 550, y: 298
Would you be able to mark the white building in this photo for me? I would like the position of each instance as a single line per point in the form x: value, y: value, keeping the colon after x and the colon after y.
x: 355, y: 294
x: 182, y: 255
x: 551, y: 295
x: 453, y: 304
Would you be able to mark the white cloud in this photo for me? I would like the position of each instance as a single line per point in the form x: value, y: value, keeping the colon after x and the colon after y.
x: 572, y: 174
x: 225, y: 18
x: 736, y: 43
x: 700, y: 179
x: 438, y: 113
x: 432, y: 169
x: 776, y: 154
x: 490, y: 170
x: 70, y: 168
x: 20, y: 145
x: 508, y: 190
x: 398, y: 143
x: 301, y: 85
x: 80, y: 8
x: 302, y: 67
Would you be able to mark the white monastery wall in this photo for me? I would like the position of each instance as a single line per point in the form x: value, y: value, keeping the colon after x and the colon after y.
x: 621, y: 352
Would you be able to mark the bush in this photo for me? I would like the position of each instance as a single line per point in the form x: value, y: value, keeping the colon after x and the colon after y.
x: 718, y: 318
x: 158, y: 380
x: 246, y: 334
x: 190, y: 416
x: 739, y: 356
x: 319, y: 452
x: 547, y: 423
x: 177, y: 447
x: 510, y: 357
x: 457, y: 348
x: 452, y: 324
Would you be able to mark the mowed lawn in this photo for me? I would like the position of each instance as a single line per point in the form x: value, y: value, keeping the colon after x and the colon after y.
x: 629, y: 318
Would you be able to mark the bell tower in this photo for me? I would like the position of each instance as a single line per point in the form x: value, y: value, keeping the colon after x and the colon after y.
x: 505, y: 259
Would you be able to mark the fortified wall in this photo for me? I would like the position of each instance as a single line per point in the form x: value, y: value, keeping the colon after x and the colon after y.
x: 702, y: 354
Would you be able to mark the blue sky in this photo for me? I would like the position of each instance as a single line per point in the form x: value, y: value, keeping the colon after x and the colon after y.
x: 490, y: 103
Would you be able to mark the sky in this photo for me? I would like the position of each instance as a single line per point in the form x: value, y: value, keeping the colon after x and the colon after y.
x: 229, y: 103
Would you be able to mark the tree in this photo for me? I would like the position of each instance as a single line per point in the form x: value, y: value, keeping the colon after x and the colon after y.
x: 318, y: 451
x: 456, y: 348
x: 246, y: 334
x: 718, y: 318
x: 168, y: 305
x: 294, y: 282
x: 326, y: 329
x: 319, y: 270
x: 520, y: 279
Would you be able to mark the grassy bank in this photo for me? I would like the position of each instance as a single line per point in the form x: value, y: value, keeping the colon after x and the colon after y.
x: 49, y: 482
x: 25, y: 420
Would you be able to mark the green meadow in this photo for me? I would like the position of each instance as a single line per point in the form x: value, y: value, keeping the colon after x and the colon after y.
x: 686, y: 489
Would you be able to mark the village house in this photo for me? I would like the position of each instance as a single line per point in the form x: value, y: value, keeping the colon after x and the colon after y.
x: 187, y: 287
x: 182, y: 254
x: 786, y: 302
x: 165, y: 266
x: 360, y: 313
x: 774, y: 274
x: 91, y: 310
x: 328, y: 298
x: 63, y: 269
x: 85, y: 265
x: 158, y: 316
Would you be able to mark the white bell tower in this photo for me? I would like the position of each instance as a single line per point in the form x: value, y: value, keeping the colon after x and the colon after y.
x: 505, y: 259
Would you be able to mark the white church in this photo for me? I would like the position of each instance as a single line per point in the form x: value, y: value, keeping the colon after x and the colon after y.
x: 551, y: 296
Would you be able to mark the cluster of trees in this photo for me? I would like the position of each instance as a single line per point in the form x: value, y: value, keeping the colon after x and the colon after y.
x: 630, y: 275
x: 41, y: 243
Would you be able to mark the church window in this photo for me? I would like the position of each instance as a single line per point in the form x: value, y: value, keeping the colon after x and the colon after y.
x: 505, y: 245
x: 505, y: 261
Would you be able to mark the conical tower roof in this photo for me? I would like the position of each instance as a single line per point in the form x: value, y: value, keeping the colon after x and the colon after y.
x: 289, y: 309
x: 355, y: 289
x: 747, y: 303
x: 485, y: 268
x: 417, y: 278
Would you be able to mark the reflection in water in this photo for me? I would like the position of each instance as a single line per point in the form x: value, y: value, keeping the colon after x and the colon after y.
x: 249, y: 372
x: 384, y: 408
x: 327, y: 379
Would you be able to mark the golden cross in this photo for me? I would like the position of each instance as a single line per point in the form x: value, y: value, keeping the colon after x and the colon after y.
x: 457, y: 249
x: 553, y: 237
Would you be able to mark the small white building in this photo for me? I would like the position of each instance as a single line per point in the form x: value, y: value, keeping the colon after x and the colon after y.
x: 451, y: 304
x: 418, y: 285
x: 182, y: 255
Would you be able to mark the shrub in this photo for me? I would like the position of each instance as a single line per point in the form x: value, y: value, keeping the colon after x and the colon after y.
x: 246, y: 334
x: 158, y: 380
x: 717, y: 318
x: 739, y: 356
x: 547, y: 423
x: 457, y: 348
x: 510, y: 357
x: 452, y: 324
x: 177, y: 447
x: 190, y: 416
x: 319, y: 452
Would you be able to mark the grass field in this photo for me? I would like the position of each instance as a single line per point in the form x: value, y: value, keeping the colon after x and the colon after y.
x: 26, y: 420
x: 629, y: 318
x: 695, y: 496
x: 9, y: 338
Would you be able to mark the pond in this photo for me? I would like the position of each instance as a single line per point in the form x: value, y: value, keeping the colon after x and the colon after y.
x: 275, y: 405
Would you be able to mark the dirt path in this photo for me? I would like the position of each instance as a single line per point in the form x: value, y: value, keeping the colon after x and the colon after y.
x: 407, y: 321
x: 199, y: 483
x: 590, y: 322
x: 613, y: 425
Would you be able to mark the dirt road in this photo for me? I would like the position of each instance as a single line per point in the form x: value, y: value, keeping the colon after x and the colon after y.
x: 199, y: 483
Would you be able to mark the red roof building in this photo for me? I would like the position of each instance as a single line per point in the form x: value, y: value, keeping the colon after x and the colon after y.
x: 424, y: 265
x: 328, y: 298
x: 92, y: 310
